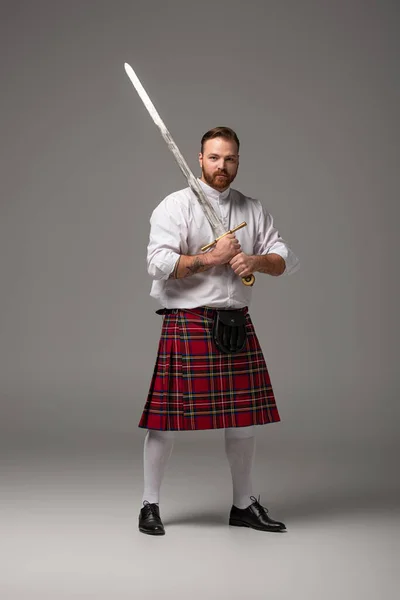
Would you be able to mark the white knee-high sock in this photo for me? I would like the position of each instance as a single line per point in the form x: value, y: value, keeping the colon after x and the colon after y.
x: 240, y: 449
x: 157, y: 450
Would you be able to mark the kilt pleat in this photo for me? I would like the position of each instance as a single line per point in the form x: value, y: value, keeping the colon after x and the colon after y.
x: 196, y: 386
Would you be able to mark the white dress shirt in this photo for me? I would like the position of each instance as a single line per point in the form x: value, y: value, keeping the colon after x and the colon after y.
x: 179, y: 226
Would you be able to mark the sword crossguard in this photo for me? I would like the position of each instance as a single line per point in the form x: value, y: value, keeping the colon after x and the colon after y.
x: 204, y: 248
x: 250, y: 279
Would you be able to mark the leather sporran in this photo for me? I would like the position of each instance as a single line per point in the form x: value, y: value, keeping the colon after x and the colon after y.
x: 229, y: 331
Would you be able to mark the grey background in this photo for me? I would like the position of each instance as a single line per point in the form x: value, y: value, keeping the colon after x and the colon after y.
x: 312, y: 88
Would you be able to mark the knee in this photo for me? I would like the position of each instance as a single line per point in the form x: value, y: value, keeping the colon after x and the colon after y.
x: 161, y: 435
x: 240, y: 432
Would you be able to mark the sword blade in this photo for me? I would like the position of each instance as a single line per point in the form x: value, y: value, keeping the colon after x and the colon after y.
x: 194, y: 185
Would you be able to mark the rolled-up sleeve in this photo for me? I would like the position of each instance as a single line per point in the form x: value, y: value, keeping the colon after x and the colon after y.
x: 268, y: 241
x: 167, y: 231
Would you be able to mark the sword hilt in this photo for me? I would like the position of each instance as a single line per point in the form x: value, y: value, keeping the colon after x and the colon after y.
x: 250, y: 279
x: 204, y: 248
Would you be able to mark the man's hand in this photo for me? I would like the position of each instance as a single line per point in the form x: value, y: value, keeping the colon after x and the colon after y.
x: 225, y: 249
x: 243, y: 264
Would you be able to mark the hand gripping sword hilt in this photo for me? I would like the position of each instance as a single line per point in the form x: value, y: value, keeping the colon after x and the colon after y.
x: 250, y: 279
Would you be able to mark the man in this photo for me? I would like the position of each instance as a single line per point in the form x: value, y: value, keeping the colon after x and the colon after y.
x: 210, y: 371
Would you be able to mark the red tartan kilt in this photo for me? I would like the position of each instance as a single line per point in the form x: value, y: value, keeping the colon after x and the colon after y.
x: 195, y: 386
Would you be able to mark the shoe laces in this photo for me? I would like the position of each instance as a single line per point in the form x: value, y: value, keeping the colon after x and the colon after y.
x: 151, y: 507
x: 261, y: 508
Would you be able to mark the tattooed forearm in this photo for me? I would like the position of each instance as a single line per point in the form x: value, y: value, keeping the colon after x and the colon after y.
x: 196, y: 266
x: 190, y: 265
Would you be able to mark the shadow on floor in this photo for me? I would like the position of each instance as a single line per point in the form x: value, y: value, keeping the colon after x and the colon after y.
x: 324, y: 503
x: 304, y: 507
x: 209, y: 517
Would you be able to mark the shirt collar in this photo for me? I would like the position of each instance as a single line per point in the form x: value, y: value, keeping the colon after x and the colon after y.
x: 212, y: 193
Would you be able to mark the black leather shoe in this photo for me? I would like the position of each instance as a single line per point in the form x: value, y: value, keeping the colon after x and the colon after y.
x: 149, y: 519
x: 254, y: 516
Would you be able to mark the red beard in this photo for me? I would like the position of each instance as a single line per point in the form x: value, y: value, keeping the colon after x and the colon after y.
x: 216, y: 181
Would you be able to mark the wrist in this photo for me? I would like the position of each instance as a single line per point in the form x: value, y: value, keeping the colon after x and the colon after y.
x: 255, y: 263
x: 209, y: 259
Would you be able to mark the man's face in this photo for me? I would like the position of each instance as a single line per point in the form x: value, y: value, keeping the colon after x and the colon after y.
x: 219, y: 163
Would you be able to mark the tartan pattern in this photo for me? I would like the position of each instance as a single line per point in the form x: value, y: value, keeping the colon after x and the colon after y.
x: 195, y: 386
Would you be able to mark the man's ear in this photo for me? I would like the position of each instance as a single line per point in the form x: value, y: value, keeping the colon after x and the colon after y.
x: 200, y: 158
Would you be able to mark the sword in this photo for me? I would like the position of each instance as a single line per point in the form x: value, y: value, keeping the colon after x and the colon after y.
x: 208, y: 209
